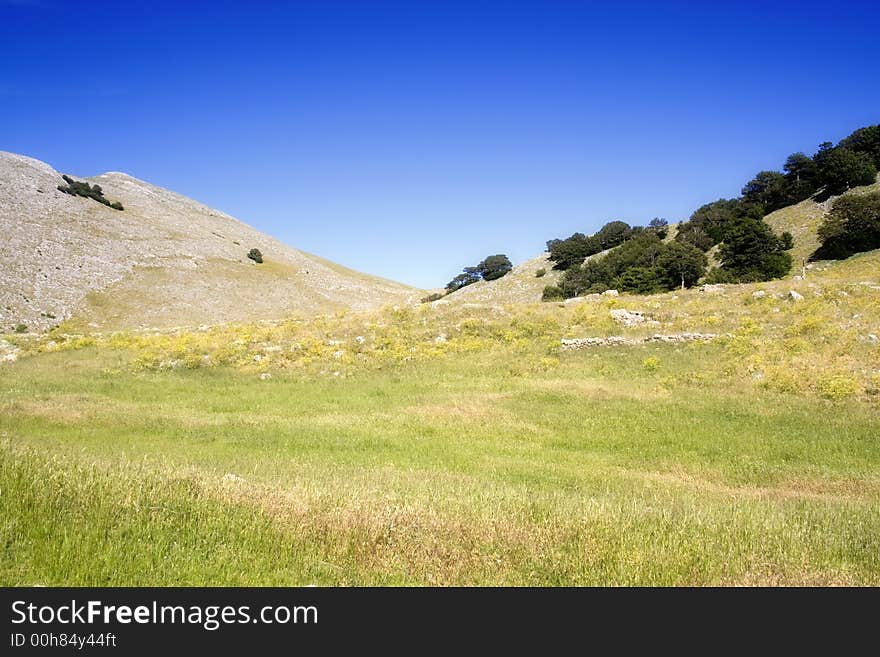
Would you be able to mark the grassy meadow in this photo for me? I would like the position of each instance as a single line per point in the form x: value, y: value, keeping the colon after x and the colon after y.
x: 453, y: 446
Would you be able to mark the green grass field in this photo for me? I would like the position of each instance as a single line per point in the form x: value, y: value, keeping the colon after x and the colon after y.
x: 611, y: 466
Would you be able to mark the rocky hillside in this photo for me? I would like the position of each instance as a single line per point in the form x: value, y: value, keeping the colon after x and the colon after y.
x: 165, y: 260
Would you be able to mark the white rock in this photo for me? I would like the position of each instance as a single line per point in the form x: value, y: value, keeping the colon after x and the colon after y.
x: 795, y: 296
x: 265, y: 376
x: 759, y: 294
x: 610, y: 293
x: 440, y: 339
x: 629, y: 317
x: 718, y: 288
x: 360, y: 339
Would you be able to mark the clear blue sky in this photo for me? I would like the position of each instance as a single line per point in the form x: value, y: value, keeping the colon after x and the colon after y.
x: 411, y: 139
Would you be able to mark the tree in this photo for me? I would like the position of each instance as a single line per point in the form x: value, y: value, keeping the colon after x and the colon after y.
x: 694, y: 235
x: 751, y: 252
x: 469, y: 276
x: 612, y: 234
x: 769, y: 189
x: 494, y: 267
x: 639, y: 280
x: 255, y: 255
x: 491, y: 268
x: 865, y: 140
x: 841, y: 169
x: 659, y: 226
x: 708, y: 225
x: 852, y: 226
x: 592, y: 276
x: 681, y: 264
x: 802, y: 177
x: 800, y: 168
x: 571, y: 251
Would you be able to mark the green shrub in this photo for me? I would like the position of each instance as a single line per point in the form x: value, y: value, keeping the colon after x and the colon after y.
x: 432, y: 297
x: 651, y: 363
x: 552, y: 293
x: 255, y: 255
x: 540, y: 273
x: 77, y: 188
x: 20, y: 328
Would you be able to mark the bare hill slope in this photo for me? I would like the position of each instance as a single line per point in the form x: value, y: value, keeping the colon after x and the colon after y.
x: 165, y: 260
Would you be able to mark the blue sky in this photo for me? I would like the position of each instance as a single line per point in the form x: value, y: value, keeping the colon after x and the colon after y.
x: 411, y: 139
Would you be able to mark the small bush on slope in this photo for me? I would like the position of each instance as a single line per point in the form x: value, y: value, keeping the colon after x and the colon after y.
x: 76, y: 188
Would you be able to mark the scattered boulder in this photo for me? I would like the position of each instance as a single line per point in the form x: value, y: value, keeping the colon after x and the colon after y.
x: 630, y: 318
x: 759, y: 294
x: 8, y: 352
x: 795, y: 296
x: 709, y: 288
x: 265, y: 376
x: 610, y: 293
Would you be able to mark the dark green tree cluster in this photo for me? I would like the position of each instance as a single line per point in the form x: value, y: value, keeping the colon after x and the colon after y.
x: 831, y: 171
x: 752, y: 252
x: 644, y: 264
x: 77, y: 188
x: 852, y: 226
x: 749, y: 249
x: 573, y: 250
x: 255, y: 255
x: 490, y: 269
